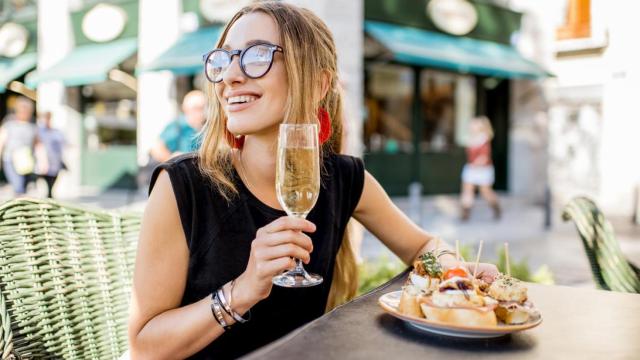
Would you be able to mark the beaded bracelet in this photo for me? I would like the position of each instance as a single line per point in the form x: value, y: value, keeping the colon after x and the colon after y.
x: 216, y: 309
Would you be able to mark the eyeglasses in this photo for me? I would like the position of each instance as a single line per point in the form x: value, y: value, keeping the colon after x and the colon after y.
x: 255, y: 61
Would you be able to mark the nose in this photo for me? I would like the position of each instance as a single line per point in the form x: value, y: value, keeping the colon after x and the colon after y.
x: 233, y: 74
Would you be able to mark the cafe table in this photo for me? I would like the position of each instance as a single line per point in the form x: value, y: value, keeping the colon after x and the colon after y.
x: 578, y: 323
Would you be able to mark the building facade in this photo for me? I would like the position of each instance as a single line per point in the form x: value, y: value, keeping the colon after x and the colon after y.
x: 411, y: 84
x: 431, y: 66
x: 593, y: 115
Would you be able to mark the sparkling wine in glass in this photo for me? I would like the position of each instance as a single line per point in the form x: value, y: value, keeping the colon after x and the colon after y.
x: 298, y: 187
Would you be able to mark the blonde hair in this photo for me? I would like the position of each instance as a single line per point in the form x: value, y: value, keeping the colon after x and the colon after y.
x: 486, y: 125
x: 309, y: 55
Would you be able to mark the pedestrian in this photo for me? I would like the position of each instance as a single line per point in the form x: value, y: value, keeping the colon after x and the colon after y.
x: 18, y: 138
x: 52, y: 143
x: 180, y: 135
x: 213, y: 224
x: 479, y: 172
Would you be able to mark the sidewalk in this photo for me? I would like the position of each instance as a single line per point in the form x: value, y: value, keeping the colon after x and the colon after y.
x: 522, y: 226
x: 125, y: 200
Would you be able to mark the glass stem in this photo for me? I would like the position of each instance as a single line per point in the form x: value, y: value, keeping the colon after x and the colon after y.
x: 299, y: 269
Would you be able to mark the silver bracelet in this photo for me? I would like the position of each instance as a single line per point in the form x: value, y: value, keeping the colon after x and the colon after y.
x: 216, y: 309
x: 445, y: 252
x: 227, y: 305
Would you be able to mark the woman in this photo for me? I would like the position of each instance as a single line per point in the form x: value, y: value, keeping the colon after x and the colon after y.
x: 213, y: 221
x: 479, y: 171
x: 18, y: 138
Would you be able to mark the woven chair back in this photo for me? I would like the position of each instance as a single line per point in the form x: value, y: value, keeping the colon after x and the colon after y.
x: 610, y: 269
x: 65, y: 280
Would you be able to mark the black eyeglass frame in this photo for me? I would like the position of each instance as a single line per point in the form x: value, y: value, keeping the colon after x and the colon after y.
x: 240, y: 53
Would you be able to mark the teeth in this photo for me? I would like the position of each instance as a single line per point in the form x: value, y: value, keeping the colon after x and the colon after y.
x: 242, y: 99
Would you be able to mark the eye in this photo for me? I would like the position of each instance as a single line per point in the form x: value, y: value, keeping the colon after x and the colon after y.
x: 216, y: 65
x: 257, y: 60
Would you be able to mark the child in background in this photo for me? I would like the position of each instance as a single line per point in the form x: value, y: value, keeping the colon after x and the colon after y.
x: 479, y: 171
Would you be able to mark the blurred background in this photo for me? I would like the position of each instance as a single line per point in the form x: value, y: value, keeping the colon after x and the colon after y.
x: 558, y: 79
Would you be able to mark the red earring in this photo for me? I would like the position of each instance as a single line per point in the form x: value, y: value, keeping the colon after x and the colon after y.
x: 325, y: 125
x: 233, y: 141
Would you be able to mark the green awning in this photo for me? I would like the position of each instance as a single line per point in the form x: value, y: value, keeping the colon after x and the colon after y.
x: 87, y: 64
x: 11, y: 69
x: 426, y: 48
x: 185, y: 56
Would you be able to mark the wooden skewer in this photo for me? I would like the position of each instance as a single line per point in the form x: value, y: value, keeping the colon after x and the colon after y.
x: 475, y: 268
x: 435, y: 251
x: 506, y: 256
x: 457, y: 250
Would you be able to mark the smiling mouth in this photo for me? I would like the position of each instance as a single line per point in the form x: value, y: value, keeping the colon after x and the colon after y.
x: 243, y: 99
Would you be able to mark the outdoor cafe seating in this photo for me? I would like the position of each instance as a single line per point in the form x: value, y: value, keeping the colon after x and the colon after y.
x: 65, y: 280
x: 65, y: 284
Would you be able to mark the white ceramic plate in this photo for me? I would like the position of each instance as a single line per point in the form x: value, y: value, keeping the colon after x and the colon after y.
x: 389, y: 302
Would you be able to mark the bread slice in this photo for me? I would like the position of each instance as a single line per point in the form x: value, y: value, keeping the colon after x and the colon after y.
x: 463, y: 316
x: 512, y: 315
x: 409, y: 302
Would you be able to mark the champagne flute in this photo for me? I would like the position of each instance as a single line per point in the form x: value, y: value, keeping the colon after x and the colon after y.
x: 298, y: 187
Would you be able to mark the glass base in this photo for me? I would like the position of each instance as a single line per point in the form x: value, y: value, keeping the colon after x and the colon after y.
x: 297, y: 279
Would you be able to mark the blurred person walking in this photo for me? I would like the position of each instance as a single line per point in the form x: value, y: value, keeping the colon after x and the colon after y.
x: 180, y: 136
x: 18, y: 138
x: 479, y: 172
x: 49, y: 164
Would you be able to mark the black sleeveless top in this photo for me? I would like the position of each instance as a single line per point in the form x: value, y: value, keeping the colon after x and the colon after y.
x: 219, y: 236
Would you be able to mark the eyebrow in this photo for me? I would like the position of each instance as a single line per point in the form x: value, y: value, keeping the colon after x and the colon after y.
x: 249, y: 43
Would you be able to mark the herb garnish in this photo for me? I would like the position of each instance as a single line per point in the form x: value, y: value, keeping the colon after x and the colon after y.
x: 431, y: 265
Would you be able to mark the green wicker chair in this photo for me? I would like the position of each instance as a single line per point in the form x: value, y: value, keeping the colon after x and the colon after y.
x: 65, y: 280
x: 610, y: 269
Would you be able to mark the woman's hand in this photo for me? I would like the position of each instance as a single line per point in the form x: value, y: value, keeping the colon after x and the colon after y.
x: 274, y: 250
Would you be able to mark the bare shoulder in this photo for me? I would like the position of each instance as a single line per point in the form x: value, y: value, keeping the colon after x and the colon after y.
x: 161, y: 217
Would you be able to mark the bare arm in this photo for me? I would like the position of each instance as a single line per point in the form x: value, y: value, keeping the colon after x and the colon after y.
x: 160, y: 152
x: 382, y: 217
x: 158, y: 327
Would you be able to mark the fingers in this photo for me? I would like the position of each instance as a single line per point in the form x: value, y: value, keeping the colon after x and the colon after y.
x: 289, y: 236
x: 287, y: 223
x: 271, y: 268
x: 285, y: 250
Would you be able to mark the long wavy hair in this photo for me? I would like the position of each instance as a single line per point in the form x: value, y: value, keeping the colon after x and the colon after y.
x: 309, y: 56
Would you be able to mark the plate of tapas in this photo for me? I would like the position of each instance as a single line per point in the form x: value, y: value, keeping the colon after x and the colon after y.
x: 454, y: 302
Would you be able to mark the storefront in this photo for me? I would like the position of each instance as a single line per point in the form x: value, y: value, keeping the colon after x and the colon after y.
x: 101, y: 87
x: 430, y: 66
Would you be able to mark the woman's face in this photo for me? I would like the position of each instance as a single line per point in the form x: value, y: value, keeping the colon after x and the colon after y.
x: 253, y: 106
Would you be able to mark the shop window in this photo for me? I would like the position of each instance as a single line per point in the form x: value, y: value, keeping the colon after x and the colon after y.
x: 110, y: 118
x: 389, y: 99
x: 110, y: 110
x: 448, y: 103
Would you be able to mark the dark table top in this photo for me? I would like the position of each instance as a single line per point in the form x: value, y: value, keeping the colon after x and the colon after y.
x: 578, y: 323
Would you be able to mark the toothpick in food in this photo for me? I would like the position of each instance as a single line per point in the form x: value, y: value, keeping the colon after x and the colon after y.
x: 475, y: 268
